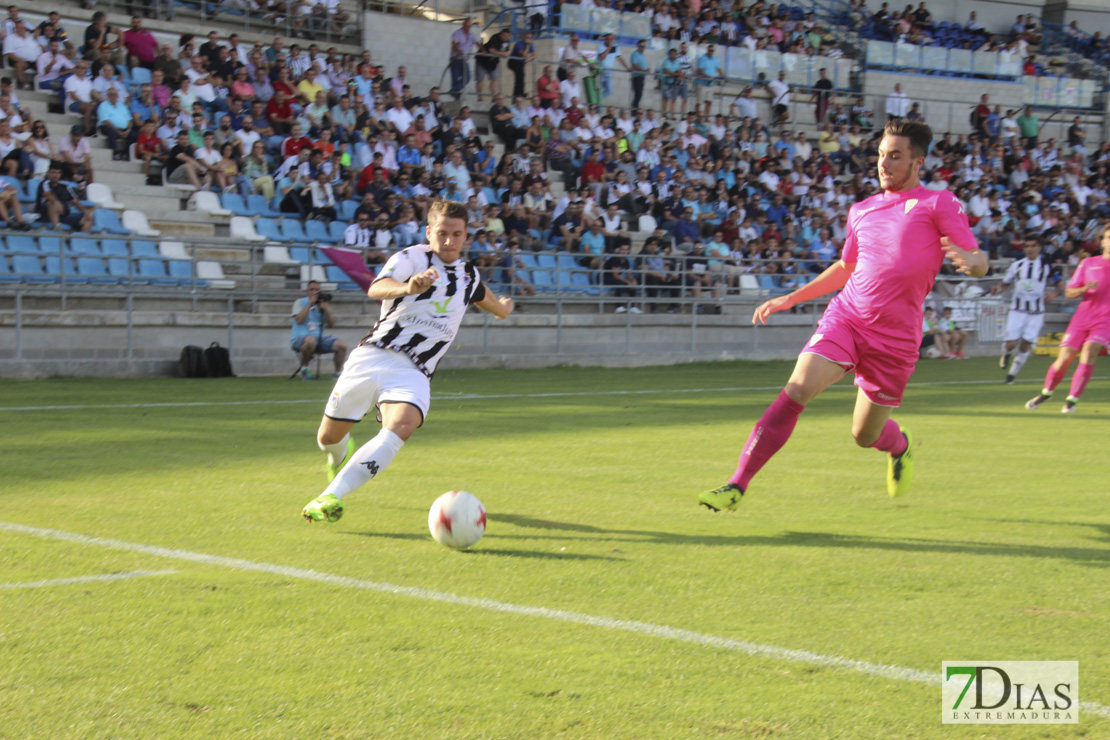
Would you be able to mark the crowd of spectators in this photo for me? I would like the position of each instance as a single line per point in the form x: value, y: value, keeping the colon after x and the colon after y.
x: 309, y: 129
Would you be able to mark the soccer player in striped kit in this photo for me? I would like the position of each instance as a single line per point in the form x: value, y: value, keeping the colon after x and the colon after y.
x: 425, y: 290
x: 893, y: 250
x: 1030, y: 277
x: 1088, y: 333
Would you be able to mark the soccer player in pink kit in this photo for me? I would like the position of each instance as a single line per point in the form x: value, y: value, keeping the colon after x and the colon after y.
x: 893, y: 251
x: 1088, y: 333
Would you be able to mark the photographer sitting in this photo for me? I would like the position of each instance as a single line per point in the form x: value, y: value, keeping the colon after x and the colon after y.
x: 308, y: 338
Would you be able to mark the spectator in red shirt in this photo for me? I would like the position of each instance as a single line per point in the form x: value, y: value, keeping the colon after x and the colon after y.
x: 296, y: 142
x: 279, y: 112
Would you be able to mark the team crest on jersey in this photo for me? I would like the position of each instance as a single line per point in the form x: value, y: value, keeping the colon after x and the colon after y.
x: 441, y: 306
x: 910, y: 204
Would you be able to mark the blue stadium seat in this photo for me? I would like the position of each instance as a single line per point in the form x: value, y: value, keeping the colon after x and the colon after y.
x: 105, y: 219
x: 317, y: 231
x: 143, y: 248
x: 546, y: 261
x: 259, y: 207
x: 30, y: 191
x: 322, y: 258
x: 29, y: 269
x: 50, y: 245
x: 301, y: 254
x: 268, y: 228
x: 340, y: 278
x: 114, y: 248
x: 64, y: 269
x: 120, y: 268
x: 347, y: 211
x: 21, y: 244
x: 293, y: 230
x: 6, y: 275
x: 182, y: 272
x: 337, y: 230
x: 581, y: 282
x: 84, y: 245
x: 235, y: 203
x: 139, y: 77
x: 154, y: 272
x: 93, y: 270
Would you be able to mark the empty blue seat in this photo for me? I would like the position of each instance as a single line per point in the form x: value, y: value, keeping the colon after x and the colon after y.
x: 546, y: 261
x: 29, y: 269
x: 301, y: 254
x: 341, y: 279
x: 268, y: 228
x: 235, y: 203
x: 139, y: 76
x: 85, y: 245
x: 30, y: 190
x: 6, y: 275
x: 541, y: 281
x: 64, y: 269
x: 338, y: 231
x: 120, y: 268
x: 146, y: 249
x: 154, y: 272
x: 50, y: 245
x: 182, y: 271
x: 322, y: 258
x: 317, y: 231
x: 105, y: 219
x: 94, y: 271
x: 293, y: 230
x: 114, y: 248
x: 21, y: 243
x: 259, y: 207
x: 347, y: 211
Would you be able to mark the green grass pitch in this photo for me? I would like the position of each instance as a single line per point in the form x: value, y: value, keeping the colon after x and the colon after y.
x: 566, y: 620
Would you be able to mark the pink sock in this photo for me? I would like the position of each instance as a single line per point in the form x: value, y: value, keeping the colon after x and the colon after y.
x: 1054, y: 377
x: 891, y: 439
x: 1083, y: 374
x: 770, y: 434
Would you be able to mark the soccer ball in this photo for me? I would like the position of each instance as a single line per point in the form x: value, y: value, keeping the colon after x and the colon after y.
x: 457, y: 520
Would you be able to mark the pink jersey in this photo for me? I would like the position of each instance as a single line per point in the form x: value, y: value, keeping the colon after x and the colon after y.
x: 894, y: 241
x: 1094, y: 309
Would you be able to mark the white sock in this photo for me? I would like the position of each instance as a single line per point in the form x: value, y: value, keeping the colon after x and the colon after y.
x: 337, y: 452
x: 1019, y: 362
x: 369, y: 460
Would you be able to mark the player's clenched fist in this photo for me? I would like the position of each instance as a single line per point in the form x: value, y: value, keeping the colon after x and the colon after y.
x: 422, y: 281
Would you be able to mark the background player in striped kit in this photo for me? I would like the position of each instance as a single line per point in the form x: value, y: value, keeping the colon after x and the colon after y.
x: 1030, y: 276
x: 425, y: 290
x: 1088, y: 333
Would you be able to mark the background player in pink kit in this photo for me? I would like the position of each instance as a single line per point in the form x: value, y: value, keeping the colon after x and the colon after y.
x: 894, y: 248
x: 1088, y: 332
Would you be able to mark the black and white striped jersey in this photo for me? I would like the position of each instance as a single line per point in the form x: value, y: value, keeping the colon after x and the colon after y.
x: 1030, y: 279
x: 423, y: 326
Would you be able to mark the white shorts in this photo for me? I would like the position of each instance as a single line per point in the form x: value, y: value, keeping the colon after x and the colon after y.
x: 373, y: 376
x: 1022, y: 325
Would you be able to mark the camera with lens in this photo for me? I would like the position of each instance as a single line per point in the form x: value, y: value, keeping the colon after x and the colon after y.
x: 323, y: 297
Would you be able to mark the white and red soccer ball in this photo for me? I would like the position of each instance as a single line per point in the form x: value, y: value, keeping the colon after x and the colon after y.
x: 457, y: 520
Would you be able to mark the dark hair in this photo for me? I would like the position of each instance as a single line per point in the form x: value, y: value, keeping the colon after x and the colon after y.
x: 919, y: 134
x: 444, y: 209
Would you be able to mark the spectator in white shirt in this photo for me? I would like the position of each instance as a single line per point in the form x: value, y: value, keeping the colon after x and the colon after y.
x: 21, y: 50
x: 570, y: 89
x: 51, y: 64
x: 897, y: 103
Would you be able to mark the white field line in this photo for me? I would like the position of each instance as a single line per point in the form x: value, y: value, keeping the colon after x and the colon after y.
x: 87, y: 579
x: 773, y: 652
x: 483, y: 396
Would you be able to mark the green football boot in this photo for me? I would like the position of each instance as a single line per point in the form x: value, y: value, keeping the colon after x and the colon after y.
x: 725, y: 498
x: 899, y: 471
x: 324, y: 508
x: 333, y: 470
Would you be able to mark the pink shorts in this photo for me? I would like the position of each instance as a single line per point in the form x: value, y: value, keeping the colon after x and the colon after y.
x: 1083, y: 331
x: 882, y: 370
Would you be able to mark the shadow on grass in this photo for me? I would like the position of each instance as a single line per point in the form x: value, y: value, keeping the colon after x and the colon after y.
x: 493, y: 551
x: 1083, y: 555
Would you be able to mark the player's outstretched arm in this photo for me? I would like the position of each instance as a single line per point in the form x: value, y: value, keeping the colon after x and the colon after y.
x: 1081, y: 290
x: 499, y: 306
x: 831, y: 279
x: 385, y: 288
x: 971, y: 262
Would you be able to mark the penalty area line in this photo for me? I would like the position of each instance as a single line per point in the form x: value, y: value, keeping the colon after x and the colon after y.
x: 879, y: 670
x: 442, y: 398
